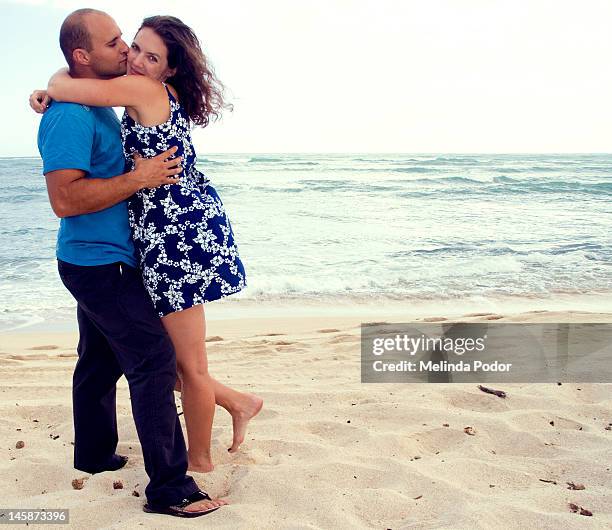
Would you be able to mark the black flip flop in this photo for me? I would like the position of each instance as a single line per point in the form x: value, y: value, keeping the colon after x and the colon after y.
x: 178, y: 509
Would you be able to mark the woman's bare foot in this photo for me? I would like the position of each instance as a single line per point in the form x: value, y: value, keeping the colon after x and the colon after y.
x: 247, y: 409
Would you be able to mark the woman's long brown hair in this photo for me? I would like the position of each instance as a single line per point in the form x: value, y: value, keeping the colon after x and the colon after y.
x: 199, y: 90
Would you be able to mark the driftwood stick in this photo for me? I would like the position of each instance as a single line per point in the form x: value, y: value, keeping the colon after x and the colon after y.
x: 498, y: 393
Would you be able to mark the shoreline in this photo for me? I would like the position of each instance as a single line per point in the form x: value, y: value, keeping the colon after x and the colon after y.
x: 339, y: 307
x: 239, y: 328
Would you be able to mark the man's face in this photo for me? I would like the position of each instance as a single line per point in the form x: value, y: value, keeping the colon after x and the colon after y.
x: 108, y: 57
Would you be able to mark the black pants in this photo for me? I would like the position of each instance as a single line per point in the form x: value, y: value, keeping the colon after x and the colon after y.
x: 120, y: 333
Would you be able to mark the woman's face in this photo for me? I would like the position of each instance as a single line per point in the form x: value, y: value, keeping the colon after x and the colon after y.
x: 148, y: 56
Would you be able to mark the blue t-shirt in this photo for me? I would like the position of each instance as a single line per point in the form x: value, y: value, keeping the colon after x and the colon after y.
x: 73, y: 136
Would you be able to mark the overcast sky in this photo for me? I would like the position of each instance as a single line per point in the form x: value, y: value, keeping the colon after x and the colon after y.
x: 363, y: 76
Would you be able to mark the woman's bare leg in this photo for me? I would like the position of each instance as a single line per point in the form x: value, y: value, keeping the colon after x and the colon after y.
x: 187, y: 330
x: 241, y: 405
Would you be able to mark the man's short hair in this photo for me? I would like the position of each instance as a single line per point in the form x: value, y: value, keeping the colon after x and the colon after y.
x: 74, y: 33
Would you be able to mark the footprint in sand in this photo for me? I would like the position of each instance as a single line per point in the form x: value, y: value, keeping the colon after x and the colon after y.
x: 248, y: 342
x: 8, y: 362
x: 270, y: 334
x: 214, y: 338
x: 343, y: 338
x: 329, y: 429
x: 567, y: 423
x: 439, y: 439
x: 494, y: 317
x: 35, y: 357
x: 49, y: 347
x: 327, y: 330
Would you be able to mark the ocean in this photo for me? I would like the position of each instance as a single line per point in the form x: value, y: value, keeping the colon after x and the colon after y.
x: 362, y: 228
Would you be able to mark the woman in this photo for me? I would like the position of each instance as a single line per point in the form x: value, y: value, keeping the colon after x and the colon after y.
x: 184, y: 240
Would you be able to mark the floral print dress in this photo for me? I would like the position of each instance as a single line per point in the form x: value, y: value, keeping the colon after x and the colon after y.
x: 183, y: 237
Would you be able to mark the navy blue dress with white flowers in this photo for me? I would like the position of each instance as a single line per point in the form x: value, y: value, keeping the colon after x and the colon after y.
x: 183, y: 238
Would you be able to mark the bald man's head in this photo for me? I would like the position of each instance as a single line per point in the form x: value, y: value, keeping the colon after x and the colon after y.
x: 91, y: 43
x: 75, y: 34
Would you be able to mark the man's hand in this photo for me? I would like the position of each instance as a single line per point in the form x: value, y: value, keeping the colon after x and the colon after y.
x: 71, y: 193
x: 39, y: 101
x: 156, y: 171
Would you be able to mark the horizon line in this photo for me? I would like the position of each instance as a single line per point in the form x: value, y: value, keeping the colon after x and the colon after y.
x: 375, y: 153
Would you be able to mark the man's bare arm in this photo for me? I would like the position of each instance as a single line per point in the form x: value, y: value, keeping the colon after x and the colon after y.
x: 70, y: 193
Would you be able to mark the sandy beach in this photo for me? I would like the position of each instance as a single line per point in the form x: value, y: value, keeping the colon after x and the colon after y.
x: 344, y: 167
x: 327, y: 451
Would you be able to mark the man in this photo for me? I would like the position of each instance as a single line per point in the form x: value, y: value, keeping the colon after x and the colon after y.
x: 119, y: 331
